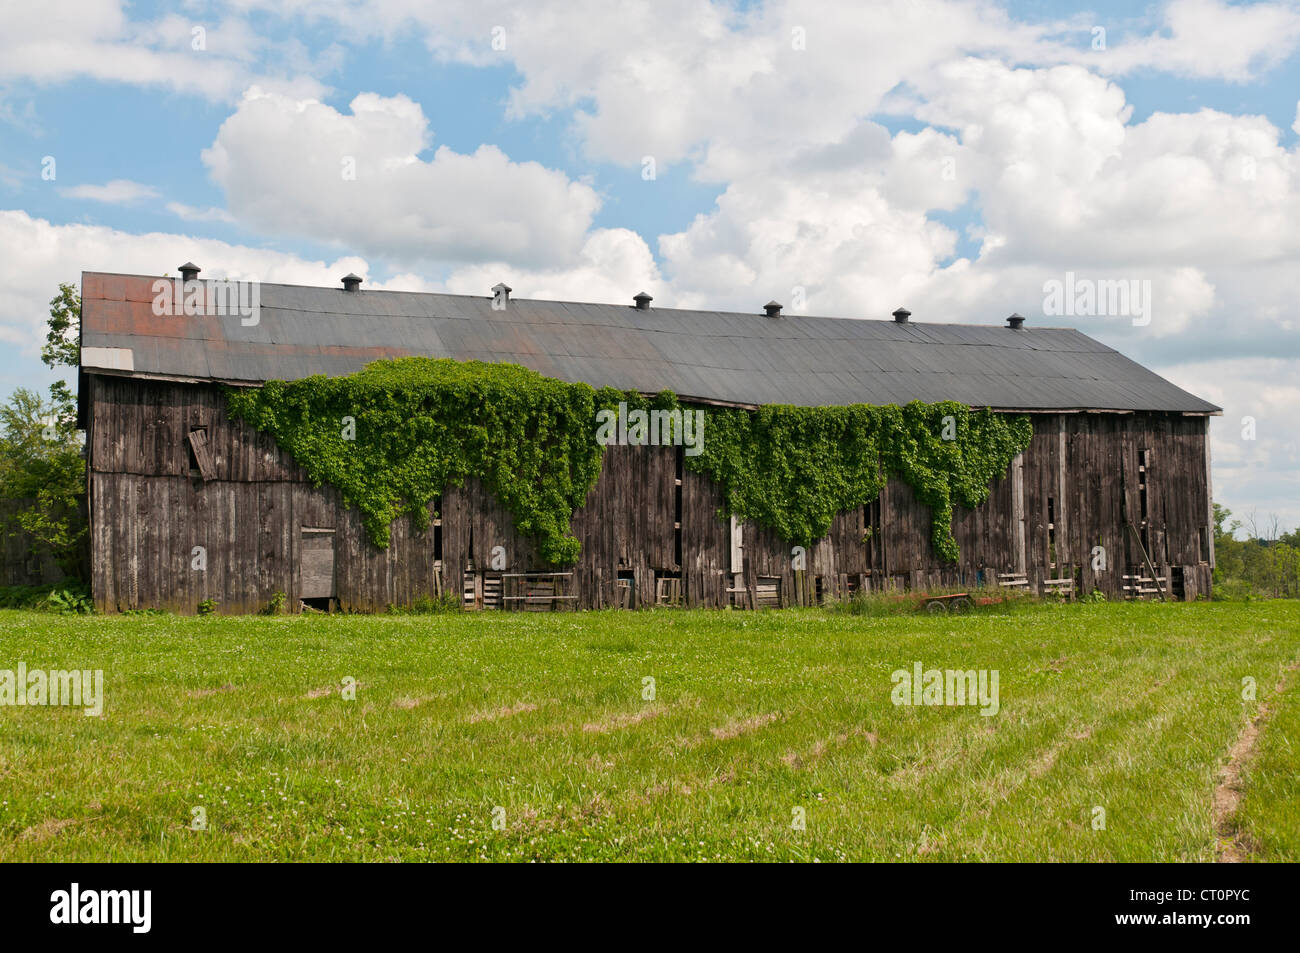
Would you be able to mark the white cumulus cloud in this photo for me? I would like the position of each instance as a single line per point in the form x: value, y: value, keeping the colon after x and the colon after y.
x: 300, y: 167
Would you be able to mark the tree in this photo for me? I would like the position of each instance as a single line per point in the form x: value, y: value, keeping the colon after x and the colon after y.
x: 41, y: 457
x: 1221, y: 515
x: 1266, y: 564
x: 63, y: 347
x: 41, y: 462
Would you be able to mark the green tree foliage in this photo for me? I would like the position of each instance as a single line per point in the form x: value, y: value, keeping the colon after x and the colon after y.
x: 41, y: 455
x: 62, y: 348
x: 420, y: 425
x: 1264, y: 564
x: 41, y: 460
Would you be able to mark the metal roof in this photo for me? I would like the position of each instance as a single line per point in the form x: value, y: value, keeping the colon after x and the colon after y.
x: 709, y: 355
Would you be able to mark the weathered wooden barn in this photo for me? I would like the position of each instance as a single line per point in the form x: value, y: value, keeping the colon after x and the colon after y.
x: 1119, y: 457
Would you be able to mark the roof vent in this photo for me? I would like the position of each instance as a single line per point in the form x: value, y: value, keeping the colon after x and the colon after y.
x: 501, y: 291
x: 642, y: 301
x: 901, y: 315
x: 189, y: 271
x: 1015, y: 322
x: 773, y: 309
x: 351, y: 282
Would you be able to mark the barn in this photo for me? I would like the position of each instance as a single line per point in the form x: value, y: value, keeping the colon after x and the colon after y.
x: 187, y: 505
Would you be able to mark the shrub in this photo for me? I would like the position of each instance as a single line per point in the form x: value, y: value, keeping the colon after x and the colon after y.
x: 276, y: 605
x: 67, y: 597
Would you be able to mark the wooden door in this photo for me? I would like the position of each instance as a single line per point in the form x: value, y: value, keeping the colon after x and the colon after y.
x: 316, y: 564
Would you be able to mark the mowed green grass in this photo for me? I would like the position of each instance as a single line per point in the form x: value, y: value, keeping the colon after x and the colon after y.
x: 1269, y: 817
x: 539, y: 720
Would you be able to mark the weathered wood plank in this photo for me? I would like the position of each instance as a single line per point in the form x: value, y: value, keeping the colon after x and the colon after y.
x: 249, y: 510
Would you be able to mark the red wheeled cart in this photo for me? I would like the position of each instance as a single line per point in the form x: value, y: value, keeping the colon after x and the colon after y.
x: 956, y: 602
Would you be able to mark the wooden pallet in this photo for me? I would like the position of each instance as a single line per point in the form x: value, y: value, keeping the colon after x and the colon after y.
x: 1160, y: 583
x: 668, y: 592
x: 1013, y: 580
x: 535, y: 591
x: 767, y: 592
x: 1064, y: 587
x: 480, y: 590
x: 764, y: 594
x: 491, y: 590
x: 1143, y: 587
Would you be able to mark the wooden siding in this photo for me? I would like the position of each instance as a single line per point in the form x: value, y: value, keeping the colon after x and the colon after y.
x: 23, y: 561
x: 156, y: 492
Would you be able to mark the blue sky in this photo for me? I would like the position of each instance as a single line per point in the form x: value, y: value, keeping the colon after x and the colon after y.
x: 776, y: 167
x: 155, y: 135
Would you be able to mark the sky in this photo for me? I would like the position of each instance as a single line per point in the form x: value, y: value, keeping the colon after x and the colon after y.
x: 958, y: 157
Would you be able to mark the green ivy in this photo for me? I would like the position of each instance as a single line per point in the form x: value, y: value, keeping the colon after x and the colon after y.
x: 793, y: 468
x: 423, y: 424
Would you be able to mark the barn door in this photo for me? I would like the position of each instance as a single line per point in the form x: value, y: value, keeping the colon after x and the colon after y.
x: 737, y: 546
x: 736, y: 592
x: 1018, y: 511
x: 316, y: 565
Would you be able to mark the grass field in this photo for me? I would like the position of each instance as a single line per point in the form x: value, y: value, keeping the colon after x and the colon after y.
x: 1269, y: 818
x: 539, y: 722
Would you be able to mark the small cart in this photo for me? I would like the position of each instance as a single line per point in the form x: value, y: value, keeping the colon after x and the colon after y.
x: 956, y: 602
